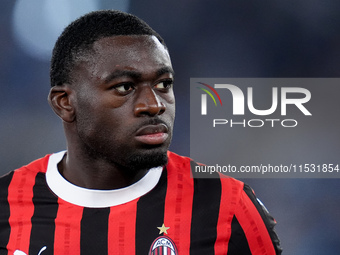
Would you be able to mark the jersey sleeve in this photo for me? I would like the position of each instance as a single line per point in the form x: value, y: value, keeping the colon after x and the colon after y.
x: 253, y: 228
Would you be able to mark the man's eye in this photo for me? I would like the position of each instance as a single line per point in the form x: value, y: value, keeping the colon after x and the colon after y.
x: 124, y: 88
x: 164, y: 85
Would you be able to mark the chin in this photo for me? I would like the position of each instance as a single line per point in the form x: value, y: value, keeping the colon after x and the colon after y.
x: 147, y: 159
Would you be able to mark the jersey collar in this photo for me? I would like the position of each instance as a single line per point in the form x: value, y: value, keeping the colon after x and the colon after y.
x: 97, y: 198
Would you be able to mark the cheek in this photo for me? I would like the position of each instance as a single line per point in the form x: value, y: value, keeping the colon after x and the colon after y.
x: 171, y: 110
x: 105, y: 118
x: 96, y: 104
x: 170, y: 105
x: 101, y: 129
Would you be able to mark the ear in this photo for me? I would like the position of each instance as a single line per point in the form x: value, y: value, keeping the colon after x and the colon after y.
x: 60, y: 99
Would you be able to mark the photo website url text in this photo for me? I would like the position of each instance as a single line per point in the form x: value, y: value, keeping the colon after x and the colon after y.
x: 269, y: 168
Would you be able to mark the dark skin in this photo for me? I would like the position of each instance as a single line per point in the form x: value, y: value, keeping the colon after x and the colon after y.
x: 119, y: 107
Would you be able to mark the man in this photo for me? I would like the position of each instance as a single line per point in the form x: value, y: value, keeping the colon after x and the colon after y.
x: 117, y: 189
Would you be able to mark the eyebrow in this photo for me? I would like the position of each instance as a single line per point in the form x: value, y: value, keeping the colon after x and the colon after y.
x: 165, y: 70
x: 122, y: 73
x: 136, y: 75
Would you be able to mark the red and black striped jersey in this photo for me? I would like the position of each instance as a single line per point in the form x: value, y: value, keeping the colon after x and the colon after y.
x: 166, y: 212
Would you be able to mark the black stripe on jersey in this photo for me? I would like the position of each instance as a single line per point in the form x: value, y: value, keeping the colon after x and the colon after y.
x: 45, y: 211
x: 150, y: 215
x: 205, y: 212
x: 5, y: 229
x: 94, y: 231
x: 238, y: 243
x: 267, y: 219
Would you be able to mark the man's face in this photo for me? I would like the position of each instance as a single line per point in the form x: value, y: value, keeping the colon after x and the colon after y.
x: 124, y: 101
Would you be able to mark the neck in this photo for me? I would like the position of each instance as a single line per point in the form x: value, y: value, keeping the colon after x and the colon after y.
x: 96, y: 173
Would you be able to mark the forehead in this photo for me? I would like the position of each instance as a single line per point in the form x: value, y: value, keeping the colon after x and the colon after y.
x: 118, y: 45
x: 142, y: 53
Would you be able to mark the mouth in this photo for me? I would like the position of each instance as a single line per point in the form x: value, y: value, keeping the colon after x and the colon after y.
x: 152, y: 134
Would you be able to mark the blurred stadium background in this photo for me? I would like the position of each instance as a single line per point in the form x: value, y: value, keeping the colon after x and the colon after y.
x: 233, y: 38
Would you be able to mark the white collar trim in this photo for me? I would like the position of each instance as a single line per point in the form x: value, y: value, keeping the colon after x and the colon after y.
x: 97, y: 198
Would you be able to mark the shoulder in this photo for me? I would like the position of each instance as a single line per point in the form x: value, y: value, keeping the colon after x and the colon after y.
x: 24, y: 172
x: 38, y: 165
x: 187, y: 167
x: 177, y: 161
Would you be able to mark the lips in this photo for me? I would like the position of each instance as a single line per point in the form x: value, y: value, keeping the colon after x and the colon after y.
x: 152, y: 134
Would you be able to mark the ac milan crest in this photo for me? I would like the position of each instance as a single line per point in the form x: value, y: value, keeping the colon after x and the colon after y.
x: 163, y: 245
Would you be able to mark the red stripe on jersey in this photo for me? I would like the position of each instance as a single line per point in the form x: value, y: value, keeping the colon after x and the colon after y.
x: 231, y: 190
x: 122, y: 228
x: 67, y: 228
x: 254, y: 228
x: 178, y: 202
x: 20, y: 194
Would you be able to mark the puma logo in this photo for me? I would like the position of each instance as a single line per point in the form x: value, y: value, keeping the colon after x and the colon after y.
x: 18, y: 252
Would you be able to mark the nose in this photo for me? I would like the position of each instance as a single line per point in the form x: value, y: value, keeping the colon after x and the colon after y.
x: 148, y: 103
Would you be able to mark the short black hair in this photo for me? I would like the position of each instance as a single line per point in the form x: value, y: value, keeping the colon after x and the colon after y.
x: 79, y: 36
